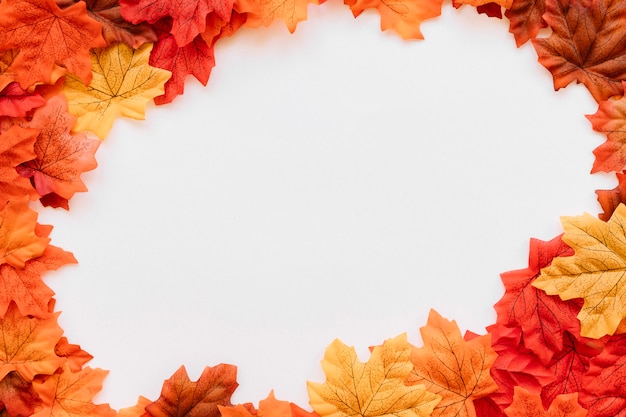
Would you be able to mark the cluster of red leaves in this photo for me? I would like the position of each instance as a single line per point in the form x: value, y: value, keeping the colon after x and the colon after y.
x: 534, y: 360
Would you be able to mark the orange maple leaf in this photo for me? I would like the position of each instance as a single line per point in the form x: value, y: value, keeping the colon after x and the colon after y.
x: 17, y: 395
x: 18, y: 240
x: 47, y: 36
x: 76, y: 357
x: 526, y: 404
x: 182, y: 398
x: 587, y: 45
x: 16, y: 147
x: 264, y: 12
x: 28, y: 344
x: 61, y: 156
x: 449, y: 366
x: 269, y: 407
x: 403, y: 16
x: 504, y: 3
x: 137, y: 410
x: 610, y: 119
x: 68, y: 393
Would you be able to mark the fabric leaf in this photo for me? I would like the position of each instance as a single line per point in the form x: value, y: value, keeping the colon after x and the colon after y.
x: 529, y: 405
x: 370, y: 389
x: 611, y: 199
x: 15, y: 102
x: 122, y: 84
x: 461, y: 384
x: 18, y: 241
x: 595, y: 273
x: 181, y: 397
x: 610, y: 119
x: 587, y: 45
x: 17, y: 145
x: 526, y: 19
x: 265, y: 12
x: 17, y: 395
x: 38, y: 28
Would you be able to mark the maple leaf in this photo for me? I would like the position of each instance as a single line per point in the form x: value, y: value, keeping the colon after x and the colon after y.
x: 526, y: 19
x: 403, y: 16
x: 47, y: 36
x: 265, y: 12
x: 594, y: 273
x: 71, y: 394
x: 137, y: 410
x: 371, y: 389
x: 182, y: 398
x: 269, y: 407
x: 188, y: 17
x: 526, y: 404
x: 16, y: 147
x: 76, y: 357
x: 610, y: 119
x: 542, y: 318
x: 461, y: 384
x: 15, y: 102
x: 477, y: 3
x: 195, y: 58
x: 17, y: 395
x: 610, y: 199
x: 114, y: 27
x: 18, y: 241
x: 61, y: 156
x: 28, y: 344
x: 122, y: 84
x: 587, y: 44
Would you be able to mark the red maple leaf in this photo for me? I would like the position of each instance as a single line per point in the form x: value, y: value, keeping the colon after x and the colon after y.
x: 587, y: 45
x: 62, y: 156
x: 610, y: 199
x: 542, y: 318
x: 195, y: 58
x: 47, y: 36
x: 188, y: 16
x: 15, y: 102
x: 181, y: 397
x: 17, y: 395
x: 526, y: 19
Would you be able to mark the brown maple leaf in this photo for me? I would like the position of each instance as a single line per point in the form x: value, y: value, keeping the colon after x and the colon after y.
x: 449, y: 366
x: 587, y: 45
x: 16, y: 147
x: 28, y: 344
x: 181, y: 397
x: 18, y: 241
x: 61, y: 156
x: 526, y: 19
x: 47, y: 36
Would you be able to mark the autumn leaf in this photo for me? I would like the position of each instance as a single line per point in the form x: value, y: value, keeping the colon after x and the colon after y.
x: 594, y: 273
x: 122, y: 84
x: 371, y: 389
x: 16, y: 147
x: 477, y: 3
x: 611, y: 199
x: 76, y: 357
x: 47, y: 36
x: 114, y: 27
x: 587, y: 45
x: 18, y: 241
x: 137, y: 410
x: 15, y: 102
x: 61, y: 156
x: 529, y: 405
x: 610, y: 119
x: 17, y: 395
x: 269, y: 407
x: 526, y: 19
x: 28, y: 344
x: 265, y: 12
x: 71, y: 394
x: 195, y: 58
x: 543, y: 319
x: 461, y: 384
x: 181, y: 397
x: 403, y: 16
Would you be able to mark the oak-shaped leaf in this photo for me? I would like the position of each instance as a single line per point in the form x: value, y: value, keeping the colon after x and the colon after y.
x: 28, y: 344
x: 610, y: 199
x: 403, y: 16
x: 16, y: 102
x: 114, y: 27
x: 610, y: 119
x: 195, y: 58
x: 543, y: 319
x: 594, y: 273
x: 371, y: 389
x: 68, y: 393
x: 61, y: 155
x: 17, y: 145
x: 181, y: 397
x: 526, y: 404
x: 122, y: 84
x: 458, y: 385
x: 265, y: 12
x: 17, y: 395
x: 587, y: 45
x: 45, y: 36
x: 18, y: 241
x: 526, y: 19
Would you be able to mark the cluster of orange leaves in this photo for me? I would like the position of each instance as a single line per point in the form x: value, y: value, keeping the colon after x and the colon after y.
x: 69, y: 68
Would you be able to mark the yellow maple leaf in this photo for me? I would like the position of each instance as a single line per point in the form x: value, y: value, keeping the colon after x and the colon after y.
x: 371, y: 389
x: 123, y: 82
x: 403, y: 16
x: 595, y: 273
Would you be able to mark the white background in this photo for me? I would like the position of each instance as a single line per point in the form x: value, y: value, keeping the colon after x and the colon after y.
x: 338, y: 182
